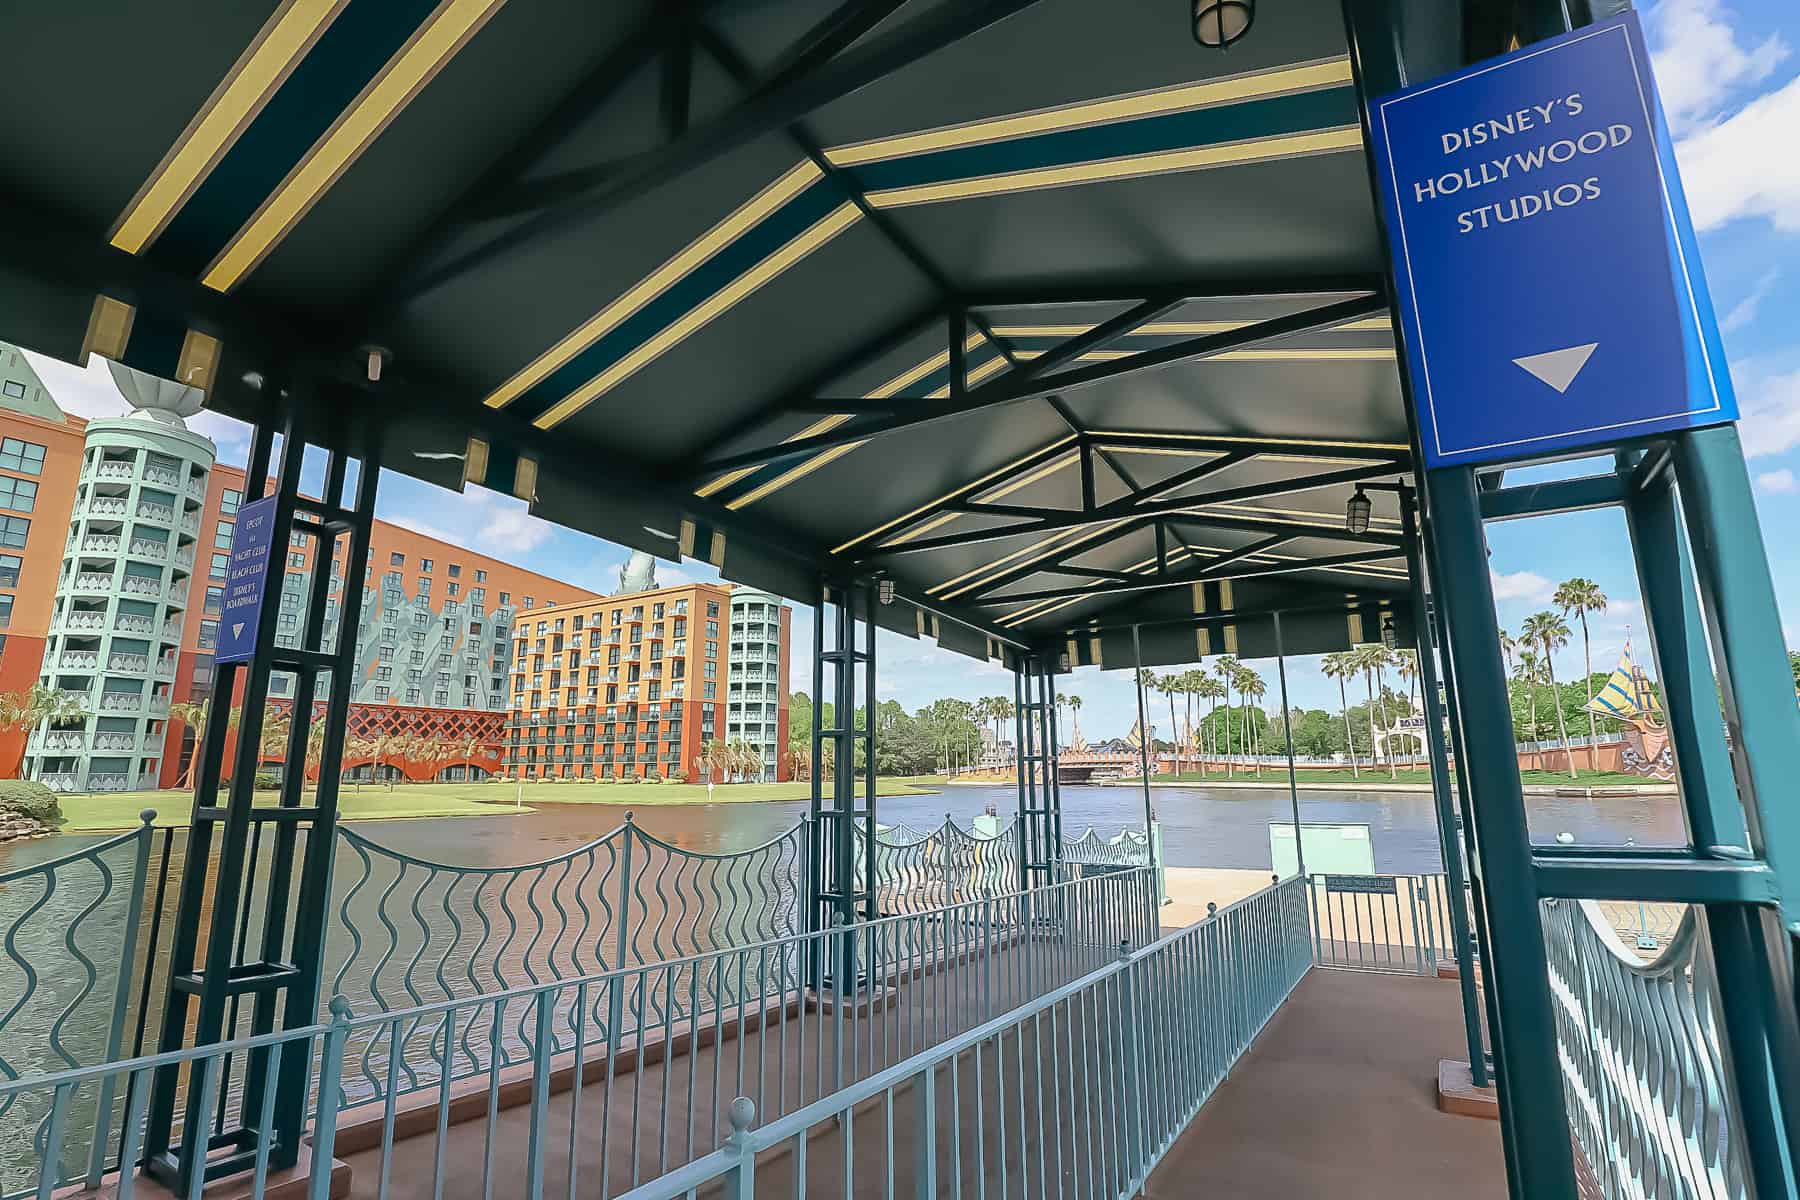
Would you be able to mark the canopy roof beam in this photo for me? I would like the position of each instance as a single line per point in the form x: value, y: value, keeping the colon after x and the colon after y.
x: 1050, y: 520
x: 1146, y: 583
x: 1010, y: 389
x: 581, y: 195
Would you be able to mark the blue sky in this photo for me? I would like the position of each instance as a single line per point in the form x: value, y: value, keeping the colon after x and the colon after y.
x: 1729, y: 75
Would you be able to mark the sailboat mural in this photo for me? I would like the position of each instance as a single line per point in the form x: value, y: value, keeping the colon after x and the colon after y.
x: 1628, y: 697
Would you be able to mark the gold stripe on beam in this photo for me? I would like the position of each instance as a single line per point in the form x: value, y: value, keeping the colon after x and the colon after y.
x: 258, y: 74
x: 1195, y: 158
x: 1234, y: 89
x: 432, y: 45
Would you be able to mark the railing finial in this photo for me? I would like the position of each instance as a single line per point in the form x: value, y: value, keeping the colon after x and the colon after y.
x: 1124, y: 950
x: 147, y: 816
x: 742, y: 1115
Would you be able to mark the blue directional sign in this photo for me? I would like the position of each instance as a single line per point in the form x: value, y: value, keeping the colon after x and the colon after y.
x: 1548, y: 279
x: 252, y: 547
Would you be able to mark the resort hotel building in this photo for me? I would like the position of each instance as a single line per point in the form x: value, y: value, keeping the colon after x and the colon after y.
x: 115, y: 538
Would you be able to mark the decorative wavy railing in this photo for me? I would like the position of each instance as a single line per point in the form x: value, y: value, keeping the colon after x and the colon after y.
x: 69, y: 935
x: 1643, y: 1073
x: 949, y: 865
x: 1130, y: 849
x: 416, y: 932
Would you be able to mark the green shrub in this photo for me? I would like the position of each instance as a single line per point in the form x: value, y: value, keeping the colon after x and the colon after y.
x: 29, y: 798
x: 267, y: 781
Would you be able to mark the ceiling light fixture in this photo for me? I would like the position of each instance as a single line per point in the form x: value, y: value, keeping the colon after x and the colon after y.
x: 1219, y: 23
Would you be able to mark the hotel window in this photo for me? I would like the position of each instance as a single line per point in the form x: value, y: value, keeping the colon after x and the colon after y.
x: 215, y: 596
x: 14, y: 531
x: 424, y: 585
x: 712, y: 608
x: 222, y: 534
x: 456, y: 570
x: 505, y: 599
x: 528, y: 602
x: 221, y: 565
x: 209, y: 634
x: 19, y: 495
x: 10, y: 565
x: 424, y: 564
x: 6, y: 607
x: 453, y: 588
x: 712, y: 649
x: 709, y: 691
x: 229, y: 501
x: 296, y: 560
x: 480, y: 575
x: 712, y: 629
x: 396, y: 559
x: 24, y: 457
x: 14, y: 388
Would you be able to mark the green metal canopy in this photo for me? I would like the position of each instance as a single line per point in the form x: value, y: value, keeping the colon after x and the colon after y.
x: 1058, y: 319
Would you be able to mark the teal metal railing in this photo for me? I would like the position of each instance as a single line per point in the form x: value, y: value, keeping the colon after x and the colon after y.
x: 69, y: 927
x: 1080, y: 1091
x: 1395, y: 923
x: 651, y: 1056
x: 1643, y: 1072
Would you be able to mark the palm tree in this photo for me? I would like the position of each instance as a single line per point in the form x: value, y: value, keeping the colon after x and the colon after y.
x: 1074, y: 703
x: 1581, y: 597
x: 1550, y: 632
x: 1187, y: 684
x: 1407, y: 664
x: 1370, y: 658
x: 1341, y: 666
x: 1509, y: 646
x: 1251, y: 687
x: 38, y: 704
x: 1530, y: 670
x: 1226, y: 667
x: 1210, y: 689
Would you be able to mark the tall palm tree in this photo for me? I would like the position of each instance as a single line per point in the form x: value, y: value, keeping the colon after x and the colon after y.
x: 1406, y: 662
x: 1226, y: 668
x: 1549, y: 632
x: 1581, y: 597
x: 1340, y: 666
x: 1251, y: 687
x: 1530, y: 670
x: 1185, y: 683
x: 1370, y: 659
x: 1211, y: 689
x: 1509, y: 646
x: 1074, y: 703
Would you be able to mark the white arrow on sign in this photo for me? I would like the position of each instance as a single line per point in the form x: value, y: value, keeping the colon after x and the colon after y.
x: 1558, y: 368
x: 237, y: 630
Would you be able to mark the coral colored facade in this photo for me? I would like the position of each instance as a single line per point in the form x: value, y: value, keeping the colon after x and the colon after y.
x: 626, y: 687
x: 34, y: 536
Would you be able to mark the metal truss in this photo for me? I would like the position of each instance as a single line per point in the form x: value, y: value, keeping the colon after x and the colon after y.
x: 1036, y: 379
x: 830, y: 61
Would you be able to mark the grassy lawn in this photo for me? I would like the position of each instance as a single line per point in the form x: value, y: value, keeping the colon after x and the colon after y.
x: 1406, y: 775
x: 375, y: 802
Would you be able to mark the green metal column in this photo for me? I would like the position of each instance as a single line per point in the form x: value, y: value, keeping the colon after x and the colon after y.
x: 1529, y: 1077
x: 1754, y: 949
x: 1440, y: 792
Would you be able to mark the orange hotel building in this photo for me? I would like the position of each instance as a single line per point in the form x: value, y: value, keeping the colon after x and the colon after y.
x: 631, y: 686
x: 451, y: 643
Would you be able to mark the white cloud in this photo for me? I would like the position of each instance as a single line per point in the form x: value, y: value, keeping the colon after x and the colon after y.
x: 512, y: 528
x: 1520, y: 585
x: 1735, y: 170
x: 477, y: 518
x: 1771, y: 417
x: 1744, y: 311
x: 1700, y: 60
x: 1777, y: 481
